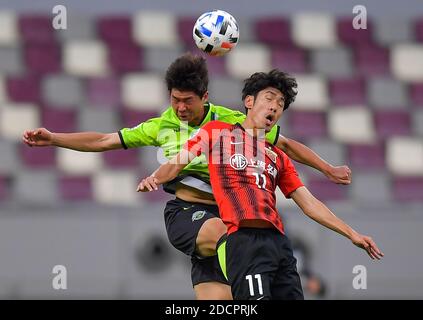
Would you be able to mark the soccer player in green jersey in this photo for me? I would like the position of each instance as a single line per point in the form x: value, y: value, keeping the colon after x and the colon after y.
x: 192, y: 218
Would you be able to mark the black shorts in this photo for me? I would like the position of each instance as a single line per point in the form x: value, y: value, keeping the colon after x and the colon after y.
x: 260, y: 266
x: 183, y: 221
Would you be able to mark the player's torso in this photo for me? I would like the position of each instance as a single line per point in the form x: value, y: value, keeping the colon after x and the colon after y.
x: 244, y: 171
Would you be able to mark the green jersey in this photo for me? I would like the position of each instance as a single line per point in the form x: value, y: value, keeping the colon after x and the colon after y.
x: 170, y: 133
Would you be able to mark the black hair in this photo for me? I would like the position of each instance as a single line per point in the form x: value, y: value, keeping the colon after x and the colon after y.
x: 188, y: 73
x: 277, y: 79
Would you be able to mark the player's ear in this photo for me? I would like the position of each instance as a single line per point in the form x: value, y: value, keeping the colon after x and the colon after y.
x: 205, y: 97
x: 248, y: 102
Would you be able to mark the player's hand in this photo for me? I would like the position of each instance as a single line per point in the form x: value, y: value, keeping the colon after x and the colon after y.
x: 148, y: 184
x: 339, y: 175
x: 367, y: 243
x: 40, y: 137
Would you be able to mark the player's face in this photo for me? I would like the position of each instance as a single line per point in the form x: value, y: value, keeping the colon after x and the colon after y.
x: 188, y: 106
x: 267, y: 108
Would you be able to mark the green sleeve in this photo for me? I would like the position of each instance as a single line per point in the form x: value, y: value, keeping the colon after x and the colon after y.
x: 145, y: 134
x: 273, y: 135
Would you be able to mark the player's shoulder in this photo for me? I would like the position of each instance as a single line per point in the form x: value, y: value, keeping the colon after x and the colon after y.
x: 224, y: 113
x: 217, y: 124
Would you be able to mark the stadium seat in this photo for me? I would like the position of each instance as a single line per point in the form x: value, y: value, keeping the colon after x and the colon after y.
x: 11, y: 61
x: 36, y: 187
x: 405, y: 156
x: 273, y: 31
x: 85, y: 58
x: 392, y: 123
x: 387, y: 93
x: 419, y: 30
x: 372, y: 60
x: 158, y: 59
x: 91, y: 119
x: 115, y: 159
x: 105, y: 184
x: 83, y: 27
x: 132, y: 118
x: 9, y: 33
x: 216, y: 65
x: 408, y: 189
x: 239, y: 65
x: 289, y: 59
x: 334, y: 62
x: 185, y: 25
x: 416, y: 93
x: 58, y: 120
x: 36, y: 29
x: 62, y: 91
x: 348, y: 35
x: 43, y: 58
x: 351, y: 125
x: 312, y: 93
x: 349, y: 91
x: 15, y: 118
x: 146, y: 33
x: 417, y: 122
x: 325, y: 190
x: 366, y: 156
x: 390, y: 31
x: 10, y: 161
x: 226, y: 91
x: 314, y: 30
x: 143, y: 91
x: 78, y: 163
x: 328, y: 149
x: 112, y: 29
x: 371, y: 187
x: 125, y: 57
x: 38, y: 157
x: 307, y: 124
x: 407, y: 62
x: 23, y: 89
x: 75, y: 188
x: 103, y: 92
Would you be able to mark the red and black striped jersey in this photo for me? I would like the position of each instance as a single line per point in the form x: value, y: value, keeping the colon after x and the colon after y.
x: 244, y: 173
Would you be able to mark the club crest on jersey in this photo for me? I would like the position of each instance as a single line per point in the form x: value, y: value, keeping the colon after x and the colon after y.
x: 197, y: 215
x: 238, y: 161
x: 271, y: 154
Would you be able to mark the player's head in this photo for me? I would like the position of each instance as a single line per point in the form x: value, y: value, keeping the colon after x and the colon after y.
x: 187, y: 81
x: 267, y: 95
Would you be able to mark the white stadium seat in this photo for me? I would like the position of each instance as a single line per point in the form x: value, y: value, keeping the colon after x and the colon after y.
x: 154, y: 29
x: 16, y: 118
x: 78, y: 163
x: 314, y: 30
x: 105, y: 184
x: 312, y: 93
x: 351, y: 125
x: 8, y: 28
x: 405, y: 156
x: 407, y: 62
x: 85, y: 58
x: 239, y: 62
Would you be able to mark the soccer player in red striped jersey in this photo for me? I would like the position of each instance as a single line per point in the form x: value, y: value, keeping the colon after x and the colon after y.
x: 256, y: 256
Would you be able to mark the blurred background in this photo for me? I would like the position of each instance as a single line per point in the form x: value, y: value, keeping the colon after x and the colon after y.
x: 360, y: 103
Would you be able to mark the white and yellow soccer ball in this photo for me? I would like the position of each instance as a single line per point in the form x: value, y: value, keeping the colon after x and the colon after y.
x: 216, y: 32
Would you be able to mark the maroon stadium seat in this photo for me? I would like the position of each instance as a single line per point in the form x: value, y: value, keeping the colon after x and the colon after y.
x: 366, y: 156
x: 115, y: 29
x: 132, y: 118
x: 121, y: 158
x: 305, y: 124
x: 348, y: 35
x: 326, y: 190
x: 36, y: 29
x: 372, y: 60
x: 289, y: 59
x: 273, y: 31
x: 125, y: 57
x: 42, y: 58
x: 416, y: 94
x: 58, y: 120
x: 390, y: 123
x: 38, y: 157
x: 75, y: 188
x: 185, y: 26
x: 347, y: 91
x: 408, y: 188
x: 419, y: 30
x: 24, y: 89
x: 103, y: 92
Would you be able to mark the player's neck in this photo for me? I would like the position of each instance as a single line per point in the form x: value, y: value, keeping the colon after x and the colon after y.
x: 251, y: 127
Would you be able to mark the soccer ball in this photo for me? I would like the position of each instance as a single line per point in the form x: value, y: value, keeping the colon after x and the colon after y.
x: 216, y: 32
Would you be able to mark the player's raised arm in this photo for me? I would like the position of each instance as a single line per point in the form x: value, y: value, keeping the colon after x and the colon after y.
x: 317, y: 211
x: 166, y: 172
x: 80, y: 141
x: 300, y: 153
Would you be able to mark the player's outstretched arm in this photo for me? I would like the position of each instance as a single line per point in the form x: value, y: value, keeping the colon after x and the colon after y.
x: 299, y: 152
x: 317, y: 211
x: 80, y: 141
x: 166, y: 172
